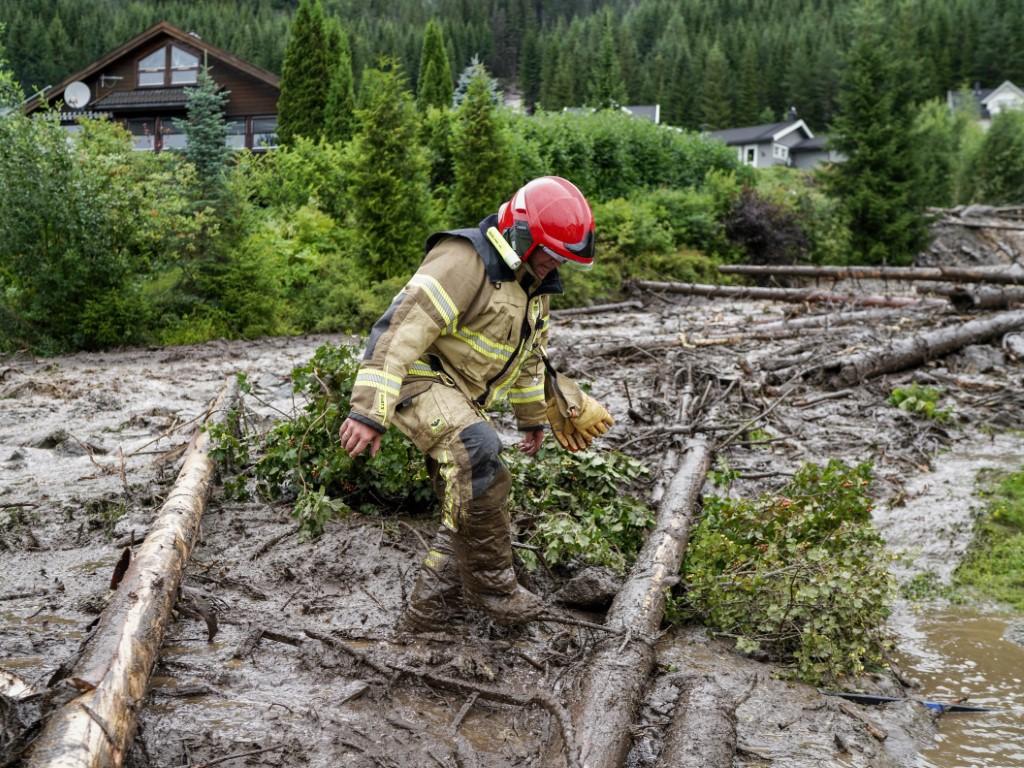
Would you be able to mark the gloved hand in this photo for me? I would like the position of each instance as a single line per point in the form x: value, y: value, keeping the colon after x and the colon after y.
x: 576, y: 418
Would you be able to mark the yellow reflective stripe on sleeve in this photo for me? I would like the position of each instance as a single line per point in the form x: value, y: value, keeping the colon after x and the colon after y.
x: 489, y: 348
x: 525, y: 395
x: 383, y: 381
x: 442, y: 302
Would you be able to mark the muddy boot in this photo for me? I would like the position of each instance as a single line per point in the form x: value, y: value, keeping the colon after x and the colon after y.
x: 483, y: 548
x: 437, y: 597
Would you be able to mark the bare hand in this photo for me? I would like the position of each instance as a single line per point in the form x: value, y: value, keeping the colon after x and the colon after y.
x: 531, y: 441
x: 356, y: 437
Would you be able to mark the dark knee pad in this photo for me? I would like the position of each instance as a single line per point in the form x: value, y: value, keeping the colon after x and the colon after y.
x: 483, y: 449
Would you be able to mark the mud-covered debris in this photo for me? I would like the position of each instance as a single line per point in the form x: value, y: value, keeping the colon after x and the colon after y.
x: 980, y: 358
x: 1013, y: 344
x: 351, y: 690
x: 1015, y: 633
x: 593, y: 587
x: 16, y: 455
x: 51, y: 440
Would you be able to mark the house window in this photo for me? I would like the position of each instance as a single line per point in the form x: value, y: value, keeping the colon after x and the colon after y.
x: 184, y: 67
x: 780, y: 151
x: 170, y: 65
x: 264, y: 132
x: 170, y: 136
x: 236, y: 134
x: 143, y: 134
x: 153, y: 68
x: 751, y: 156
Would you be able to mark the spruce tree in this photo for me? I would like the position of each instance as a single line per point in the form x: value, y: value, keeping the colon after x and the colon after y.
x: 388, y: 178
x: 481, y: 156
x: 530, y: 70
x: 475, y: 69
x: 306, y: 75
x: 715, y: 104
x: 435, y: 76
x: 339, y: 112
x: 748, y: 93
x: 605, y: 88
x: 999, y: 167
x: 877, y: 182
x: 10, y: 91
x: 206, y: 132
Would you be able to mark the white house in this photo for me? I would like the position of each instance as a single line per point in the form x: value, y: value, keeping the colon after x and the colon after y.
x: 989, y: 101
x: 789, y: 143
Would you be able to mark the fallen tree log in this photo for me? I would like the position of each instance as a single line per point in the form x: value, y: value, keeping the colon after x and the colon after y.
x: 912, y: 351
x: 794, y: 295
x: 616, y: 675
x: 964, y: 299
x: 999, y: 275
x: 96, y: 727
x: 702, y: 733
x: 597, y: 309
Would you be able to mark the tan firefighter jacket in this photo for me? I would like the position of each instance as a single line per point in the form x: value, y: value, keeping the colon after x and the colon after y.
x: 467, y: 320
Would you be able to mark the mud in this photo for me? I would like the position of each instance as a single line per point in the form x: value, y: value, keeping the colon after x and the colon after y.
x: 90, y: 443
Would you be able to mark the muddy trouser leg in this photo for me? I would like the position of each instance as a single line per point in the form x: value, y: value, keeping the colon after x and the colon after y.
x: 483, y: 540
x: 474, y: 486
x: 437, y: 594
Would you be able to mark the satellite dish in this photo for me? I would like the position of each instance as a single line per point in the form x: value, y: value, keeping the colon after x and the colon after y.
x: 77, y: 95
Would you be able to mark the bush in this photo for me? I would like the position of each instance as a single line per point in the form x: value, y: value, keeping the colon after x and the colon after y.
x: 768, y: 233
x: 921, y: 401
x: 577, y: 507
x: 800, y: 576
x: 821, y: 217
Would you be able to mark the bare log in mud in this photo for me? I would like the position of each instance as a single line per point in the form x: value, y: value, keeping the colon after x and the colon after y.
x: 95, y: 729
x: 597, y: 309
x: 613, y: 685
x: 912, y: 351
x: 963, y: 299
x: 998, y: 276
x: 792, y: 295
x: 703, y: 729
x: 488, y: 692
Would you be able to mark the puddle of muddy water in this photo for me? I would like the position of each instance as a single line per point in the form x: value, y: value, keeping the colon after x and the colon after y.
x: 957, y: 651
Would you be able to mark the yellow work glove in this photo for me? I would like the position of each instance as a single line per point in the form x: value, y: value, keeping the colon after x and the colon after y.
x: 575, y: 417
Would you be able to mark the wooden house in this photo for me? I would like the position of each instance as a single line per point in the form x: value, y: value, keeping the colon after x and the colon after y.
x: 142, y: 85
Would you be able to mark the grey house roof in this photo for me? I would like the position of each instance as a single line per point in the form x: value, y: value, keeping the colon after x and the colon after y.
x: 651, y: 112
x: 751, y: 134
x: 756, y: 134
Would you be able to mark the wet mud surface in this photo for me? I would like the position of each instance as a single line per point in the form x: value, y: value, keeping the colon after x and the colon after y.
x: 89, y: 444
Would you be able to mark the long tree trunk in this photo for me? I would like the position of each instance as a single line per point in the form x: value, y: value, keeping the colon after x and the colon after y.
x: 979, y: 298
x: 793, y: 295
x: 911, y: 351
x: 997, y: 275
x: 613, y: 685
x: 95, y: 729
x: 597, y: 309
x: 702, y: 733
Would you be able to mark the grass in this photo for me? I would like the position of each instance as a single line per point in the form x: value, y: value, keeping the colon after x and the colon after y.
x: 994, y: 565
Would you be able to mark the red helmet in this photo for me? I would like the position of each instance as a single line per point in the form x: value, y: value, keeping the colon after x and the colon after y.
x: 551, y: 213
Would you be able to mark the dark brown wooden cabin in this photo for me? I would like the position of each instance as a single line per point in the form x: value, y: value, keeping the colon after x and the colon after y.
x: 142, y: 85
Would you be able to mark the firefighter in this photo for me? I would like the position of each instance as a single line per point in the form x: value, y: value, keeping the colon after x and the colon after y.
x: 467, y: 331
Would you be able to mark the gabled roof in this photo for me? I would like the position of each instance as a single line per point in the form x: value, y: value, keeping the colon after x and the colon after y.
x: 757, y: 134
x: 1005, y: 87
x: 160, y: 28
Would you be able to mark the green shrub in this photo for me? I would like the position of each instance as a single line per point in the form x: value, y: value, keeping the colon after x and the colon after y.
x: 800, y: 576
x: 578, y: 507
x: 921, y: 401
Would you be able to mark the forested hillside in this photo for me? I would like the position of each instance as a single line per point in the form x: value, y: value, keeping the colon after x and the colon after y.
x: 707, y: 63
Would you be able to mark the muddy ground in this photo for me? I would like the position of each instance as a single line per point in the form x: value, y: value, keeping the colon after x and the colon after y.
x: 89, y: 444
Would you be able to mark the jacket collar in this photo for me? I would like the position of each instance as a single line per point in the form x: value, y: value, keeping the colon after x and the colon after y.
x: 499, y: 271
